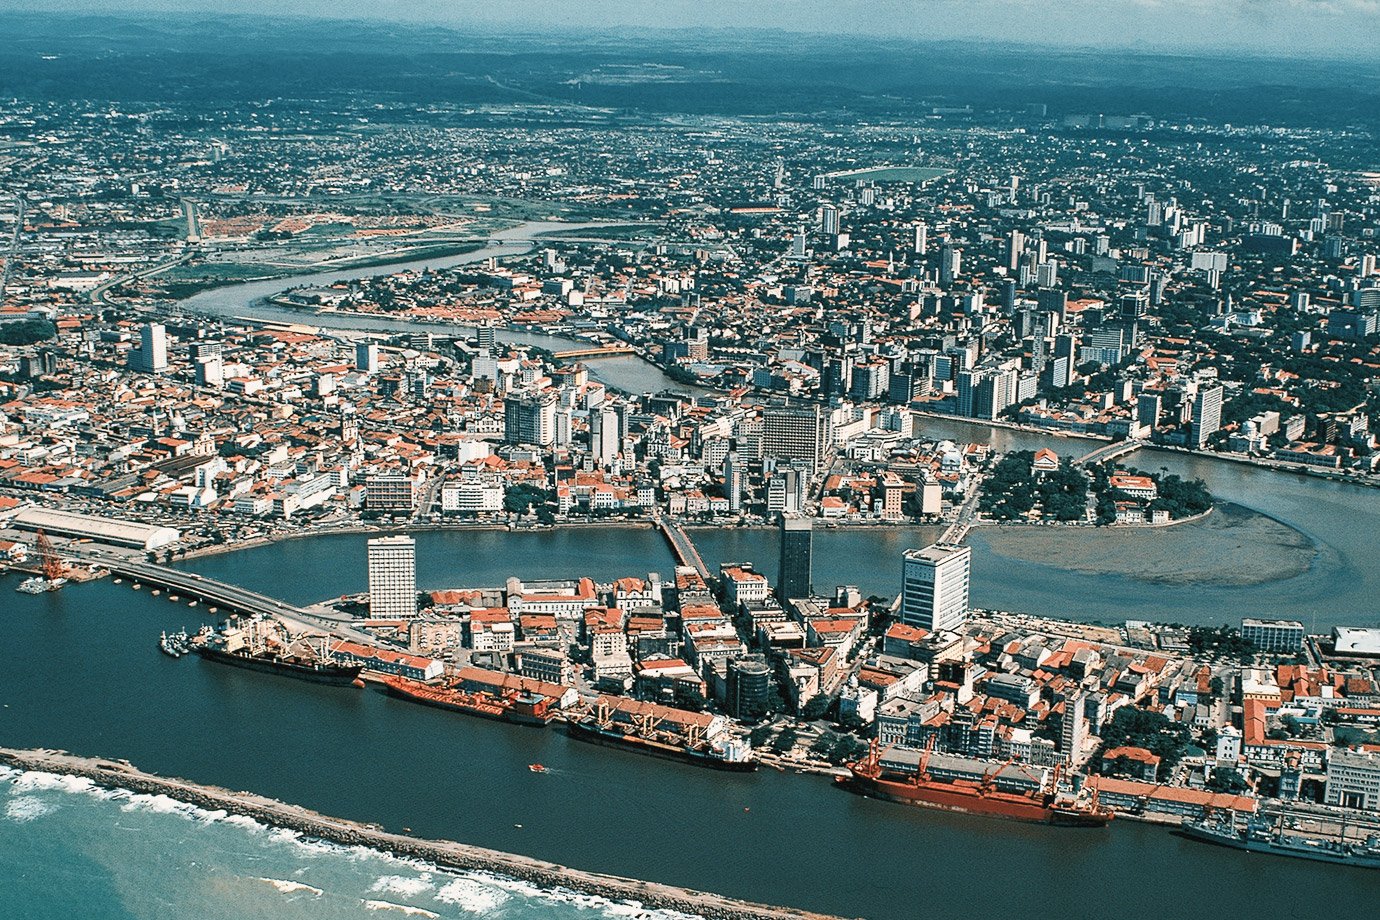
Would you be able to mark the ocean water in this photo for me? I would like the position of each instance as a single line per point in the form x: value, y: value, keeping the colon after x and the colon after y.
x: 70, y: 849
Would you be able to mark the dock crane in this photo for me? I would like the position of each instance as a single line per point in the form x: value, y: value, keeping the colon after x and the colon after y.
x: 51, y: 563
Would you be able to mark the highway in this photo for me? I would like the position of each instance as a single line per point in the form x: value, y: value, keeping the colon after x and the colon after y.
x: 13, y: 249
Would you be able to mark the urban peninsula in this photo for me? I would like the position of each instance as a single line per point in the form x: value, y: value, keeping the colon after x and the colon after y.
x: 707, y: 437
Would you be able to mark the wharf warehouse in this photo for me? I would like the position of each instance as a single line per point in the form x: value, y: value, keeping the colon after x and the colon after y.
x: 101, y: 529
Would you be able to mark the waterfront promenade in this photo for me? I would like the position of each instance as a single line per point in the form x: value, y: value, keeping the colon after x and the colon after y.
x: 445, y: 853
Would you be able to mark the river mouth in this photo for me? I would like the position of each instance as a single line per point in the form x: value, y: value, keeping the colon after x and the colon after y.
x: 1231, y: 547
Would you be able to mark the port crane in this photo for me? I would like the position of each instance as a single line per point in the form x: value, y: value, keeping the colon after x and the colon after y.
x: 51, y: 563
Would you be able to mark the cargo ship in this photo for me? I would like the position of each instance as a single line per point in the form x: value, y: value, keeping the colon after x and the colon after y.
x: 521, y: 708
x: 662, y: 731
x: 259, y: 644
x: 999, y: 791
x: 1258, y: 836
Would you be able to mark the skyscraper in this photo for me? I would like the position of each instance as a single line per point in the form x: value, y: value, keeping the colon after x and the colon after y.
x: 797, y: 545
x: 921, y: 243
x: 1073, y: 728
x: 934, y: 587
x: 749, y: 687
x: 1207, y: 414
x: 950, y: 264
x: 392, y: 577
x: 733, y: 481
x: 1015, y: 245
x: 986, y: 393
x: 1053, y: 301
x: 603, y: 435
x: 829, y: 220
x: 1148, y: 410
x: 530, y: 419
x: 151, y: 357
x: 367, y: 357
x: 796, y: 433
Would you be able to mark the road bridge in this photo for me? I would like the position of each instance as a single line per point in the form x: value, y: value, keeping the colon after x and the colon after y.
x: 1111, y: 452
x: 231, y: 598
x: 681, y: 546
x: 605, y: 351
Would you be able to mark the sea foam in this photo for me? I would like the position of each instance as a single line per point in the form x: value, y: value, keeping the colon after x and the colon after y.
x: 473, y: 895
x: 22, y: 808
x: 400, y: 908
x: 399, y: 884
x: 287, y: 887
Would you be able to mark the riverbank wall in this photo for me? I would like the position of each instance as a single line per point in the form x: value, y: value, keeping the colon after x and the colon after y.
x: 444, y: 853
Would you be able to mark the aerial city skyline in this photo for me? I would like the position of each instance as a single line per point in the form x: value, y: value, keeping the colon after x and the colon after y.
x: 551, y: 460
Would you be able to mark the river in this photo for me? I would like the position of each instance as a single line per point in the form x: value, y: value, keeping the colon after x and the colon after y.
x: 249, y: 300
x: 1331, y: 581
x: 1339, y: 585
x: 83, y: 674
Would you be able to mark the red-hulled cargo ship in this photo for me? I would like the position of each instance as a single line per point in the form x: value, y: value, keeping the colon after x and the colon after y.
x: 1041, y: 803
x: 523, y: 709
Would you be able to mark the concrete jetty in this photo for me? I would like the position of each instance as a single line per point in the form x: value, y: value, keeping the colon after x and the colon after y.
x: 444, y: 853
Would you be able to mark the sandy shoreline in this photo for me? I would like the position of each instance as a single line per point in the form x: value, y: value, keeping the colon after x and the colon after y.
x: 444, y: 853
x: 1260, y: 549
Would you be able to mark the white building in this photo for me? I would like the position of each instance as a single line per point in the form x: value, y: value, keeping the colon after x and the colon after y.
x: 471, y: 496
x: 742, y: 585
x: 392, y: 578
x: 151, y: 356
x: 934, y: 587
x: 1353, y: 779
x: 1273, y: 635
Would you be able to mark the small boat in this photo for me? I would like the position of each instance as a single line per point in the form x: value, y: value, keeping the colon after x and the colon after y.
x: 175, y: 645
x: 38, y: 585
x: 536, y: 768
x: 33, y: 586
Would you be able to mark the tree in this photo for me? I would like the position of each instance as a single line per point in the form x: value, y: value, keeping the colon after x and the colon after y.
x: 1225, y: 779
x: 27, y: 332
x: 786, y: 740
x: 816, y: 708
x: 1146, y: 729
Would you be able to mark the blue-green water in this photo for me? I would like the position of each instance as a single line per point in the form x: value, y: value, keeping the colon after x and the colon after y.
x: 83, y: 673
x: 69, y: 849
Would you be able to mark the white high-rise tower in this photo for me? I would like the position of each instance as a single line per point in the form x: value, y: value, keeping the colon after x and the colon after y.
x: 392, y: 578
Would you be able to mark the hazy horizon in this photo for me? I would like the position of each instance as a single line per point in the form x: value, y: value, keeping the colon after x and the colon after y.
x: 1298, y: 28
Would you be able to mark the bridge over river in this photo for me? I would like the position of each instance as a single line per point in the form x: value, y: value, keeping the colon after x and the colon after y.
x: 231, y: 598
x: 1111, y: 452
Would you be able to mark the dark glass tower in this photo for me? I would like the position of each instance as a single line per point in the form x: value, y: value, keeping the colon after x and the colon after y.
x: 797, y: 541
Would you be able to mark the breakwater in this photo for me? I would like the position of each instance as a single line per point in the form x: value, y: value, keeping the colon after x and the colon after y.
x: 443, y: 853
